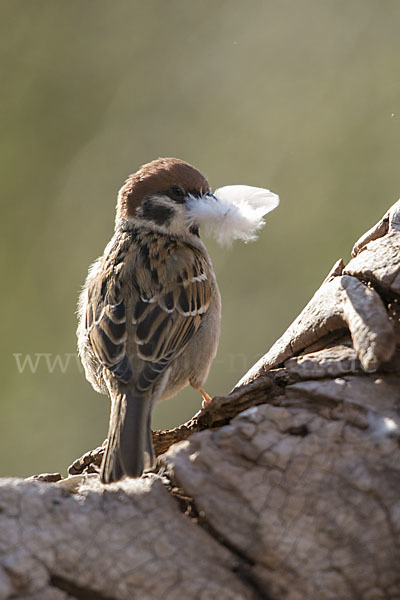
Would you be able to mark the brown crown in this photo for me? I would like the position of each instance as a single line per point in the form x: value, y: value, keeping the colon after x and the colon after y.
x: 158, y: 176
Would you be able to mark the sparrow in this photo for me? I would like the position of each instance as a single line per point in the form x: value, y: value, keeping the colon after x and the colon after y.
x: 150, y: 309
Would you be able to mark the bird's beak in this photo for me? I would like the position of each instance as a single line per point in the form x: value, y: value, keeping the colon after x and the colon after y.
x: 210, y: 196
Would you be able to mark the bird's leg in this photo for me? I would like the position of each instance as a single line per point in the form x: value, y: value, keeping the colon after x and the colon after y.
x: 206, y: 398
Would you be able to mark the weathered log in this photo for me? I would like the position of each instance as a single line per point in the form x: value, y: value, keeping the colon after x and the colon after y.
x: 289, y: 487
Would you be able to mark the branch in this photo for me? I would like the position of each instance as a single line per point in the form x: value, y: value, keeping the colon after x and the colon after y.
x: 286, y: 488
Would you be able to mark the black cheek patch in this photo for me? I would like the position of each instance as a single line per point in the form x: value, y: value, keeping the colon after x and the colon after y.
x: 152, y: 211
x: 194, y: 231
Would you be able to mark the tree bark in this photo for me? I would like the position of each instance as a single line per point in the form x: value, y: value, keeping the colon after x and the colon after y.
x: 287, y: 488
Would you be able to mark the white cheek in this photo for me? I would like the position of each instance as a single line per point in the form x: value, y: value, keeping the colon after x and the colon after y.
x: 179, y: 221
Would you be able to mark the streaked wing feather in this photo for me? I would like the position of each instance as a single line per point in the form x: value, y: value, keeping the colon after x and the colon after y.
x: 167, y: 325
x: 167, y: 313
x: 108, y: 335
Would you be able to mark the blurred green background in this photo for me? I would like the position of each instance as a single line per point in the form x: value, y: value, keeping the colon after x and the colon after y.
x: 300, y: 96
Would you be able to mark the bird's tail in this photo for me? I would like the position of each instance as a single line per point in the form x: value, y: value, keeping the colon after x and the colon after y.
x: 130, y: 445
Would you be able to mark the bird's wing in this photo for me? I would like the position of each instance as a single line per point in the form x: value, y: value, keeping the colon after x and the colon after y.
x: 167, y: 315
x: 171, y: 296
x: 105, y: 322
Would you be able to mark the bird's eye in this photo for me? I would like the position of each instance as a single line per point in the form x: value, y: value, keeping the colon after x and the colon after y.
x: 178, y: 193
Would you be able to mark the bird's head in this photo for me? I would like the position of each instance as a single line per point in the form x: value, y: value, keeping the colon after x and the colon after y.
x: 158, y: 195
x: 172, y: 197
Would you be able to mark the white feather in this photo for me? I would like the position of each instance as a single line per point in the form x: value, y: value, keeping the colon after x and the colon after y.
x: 232, y: 212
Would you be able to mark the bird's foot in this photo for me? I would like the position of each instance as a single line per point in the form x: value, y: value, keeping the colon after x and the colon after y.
x: 206, y: 398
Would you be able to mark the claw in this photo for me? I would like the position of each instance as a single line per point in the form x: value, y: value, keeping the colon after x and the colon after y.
x: 206, y: 398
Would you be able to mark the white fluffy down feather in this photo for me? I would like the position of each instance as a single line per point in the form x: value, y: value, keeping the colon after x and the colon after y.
x: 232, y: 212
